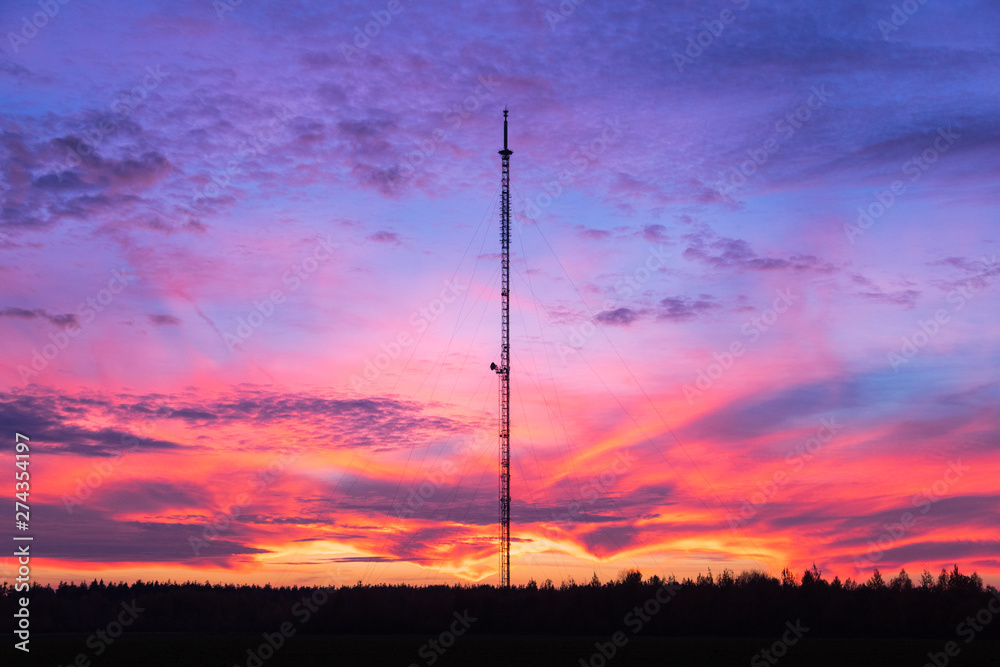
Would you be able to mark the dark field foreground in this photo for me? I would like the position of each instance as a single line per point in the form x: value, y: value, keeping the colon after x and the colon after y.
x: 155, y: 650
x: 751, y: 619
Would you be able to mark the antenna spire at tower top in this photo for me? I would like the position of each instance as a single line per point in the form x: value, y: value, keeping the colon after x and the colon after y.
x: 506, y: 151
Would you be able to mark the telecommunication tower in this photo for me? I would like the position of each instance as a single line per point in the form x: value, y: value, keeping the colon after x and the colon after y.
x: 503, y: 370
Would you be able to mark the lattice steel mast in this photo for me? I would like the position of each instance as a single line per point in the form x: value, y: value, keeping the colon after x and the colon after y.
x: 503, y: 370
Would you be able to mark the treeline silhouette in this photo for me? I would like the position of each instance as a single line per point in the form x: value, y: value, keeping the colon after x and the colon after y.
x: 749, y: 604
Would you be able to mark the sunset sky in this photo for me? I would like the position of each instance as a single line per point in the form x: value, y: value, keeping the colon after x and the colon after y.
x: 250, y: 287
